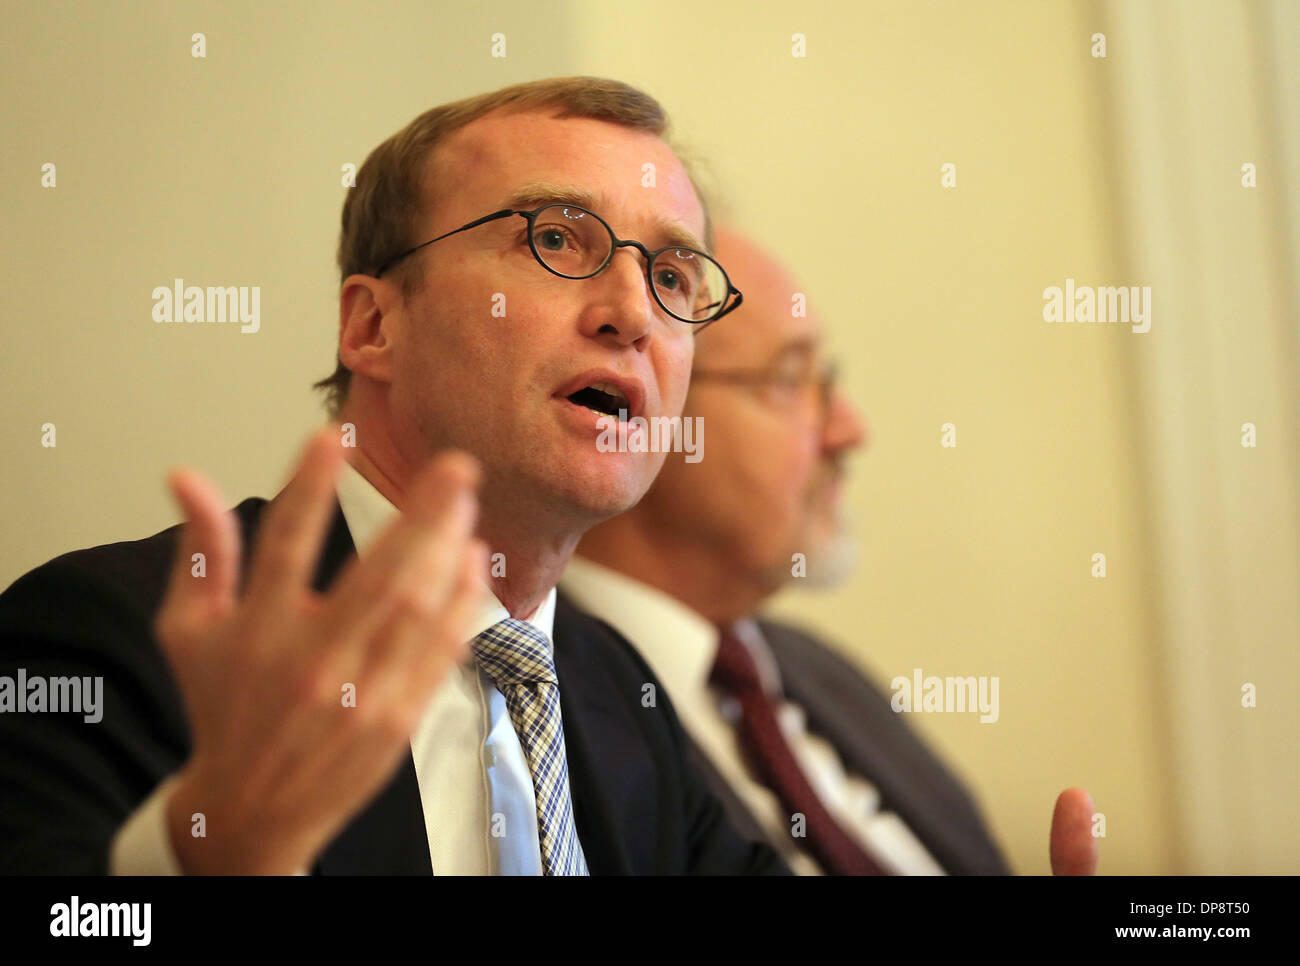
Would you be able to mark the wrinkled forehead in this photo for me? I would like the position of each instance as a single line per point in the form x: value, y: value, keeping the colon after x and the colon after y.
x: 630, y: 178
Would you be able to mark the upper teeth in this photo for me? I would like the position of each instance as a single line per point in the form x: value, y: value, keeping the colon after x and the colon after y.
x: 609, y: 388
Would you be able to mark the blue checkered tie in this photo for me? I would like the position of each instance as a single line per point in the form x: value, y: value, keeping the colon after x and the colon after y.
x: 517, y: 657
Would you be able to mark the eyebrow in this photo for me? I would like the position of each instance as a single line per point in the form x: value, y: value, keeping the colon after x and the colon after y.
x: 534, y: 194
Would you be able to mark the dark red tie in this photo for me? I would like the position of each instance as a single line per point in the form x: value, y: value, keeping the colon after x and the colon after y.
x: 736, y: 673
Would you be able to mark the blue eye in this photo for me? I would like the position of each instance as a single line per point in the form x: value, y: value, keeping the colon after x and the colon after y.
x: 549, y: 238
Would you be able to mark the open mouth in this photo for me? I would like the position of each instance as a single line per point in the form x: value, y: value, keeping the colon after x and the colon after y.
x: 602, y: 398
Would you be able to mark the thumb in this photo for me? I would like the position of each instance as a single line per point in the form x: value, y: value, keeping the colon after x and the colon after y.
x: 1073, y: 847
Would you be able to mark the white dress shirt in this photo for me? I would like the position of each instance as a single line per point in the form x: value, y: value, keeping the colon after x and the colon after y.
x: 473, y: 776
x: 680, y: 646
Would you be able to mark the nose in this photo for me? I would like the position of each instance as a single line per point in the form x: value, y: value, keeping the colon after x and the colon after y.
x: 845, y: 428
x: 619, y: 304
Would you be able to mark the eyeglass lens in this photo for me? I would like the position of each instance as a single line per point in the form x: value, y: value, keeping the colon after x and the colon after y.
x: 573, y: 242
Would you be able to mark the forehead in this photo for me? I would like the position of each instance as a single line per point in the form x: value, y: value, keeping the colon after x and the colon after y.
x: 521, y: 159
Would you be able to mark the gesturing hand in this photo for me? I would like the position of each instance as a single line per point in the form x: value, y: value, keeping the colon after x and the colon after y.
x: 279, y: 763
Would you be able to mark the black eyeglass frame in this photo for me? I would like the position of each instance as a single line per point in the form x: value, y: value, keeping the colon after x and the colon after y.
x: 616, y: 244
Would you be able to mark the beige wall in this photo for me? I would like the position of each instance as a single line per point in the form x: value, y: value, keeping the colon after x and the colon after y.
x: 226, y: 171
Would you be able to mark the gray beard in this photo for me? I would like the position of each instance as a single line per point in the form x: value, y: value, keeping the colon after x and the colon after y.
x: 832, y: 562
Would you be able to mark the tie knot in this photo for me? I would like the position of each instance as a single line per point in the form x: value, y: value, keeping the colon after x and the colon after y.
x: 734, y: 668
x: 514, y: 652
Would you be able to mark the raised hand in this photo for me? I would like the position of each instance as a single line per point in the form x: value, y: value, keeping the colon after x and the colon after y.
x: 279, y: 763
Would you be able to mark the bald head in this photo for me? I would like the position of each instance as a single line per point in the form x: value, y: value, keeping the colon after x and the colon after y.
x: 764, y: 318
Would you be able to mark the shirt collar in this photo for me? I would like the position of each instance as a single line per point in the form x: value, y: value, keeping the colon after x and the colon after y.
x: 677, y: 643
x: 366, y: 511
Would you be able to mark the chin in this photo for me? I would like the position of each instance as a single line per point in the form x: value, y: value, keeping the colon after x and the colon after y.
x: 603, y: 485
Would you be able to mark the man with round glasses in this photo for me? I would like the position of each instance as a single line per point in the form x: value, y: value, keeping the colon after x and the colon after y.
x: 323, y: 682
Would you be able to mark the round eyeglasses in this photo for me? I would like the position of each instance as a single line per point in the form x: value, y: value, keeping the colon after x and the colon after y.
x: 572, y: 242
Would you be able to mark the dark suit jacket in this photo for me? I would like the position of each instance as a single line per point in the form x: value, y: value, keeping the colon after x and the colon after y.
x: 873, y: 741
x: 66, y: 785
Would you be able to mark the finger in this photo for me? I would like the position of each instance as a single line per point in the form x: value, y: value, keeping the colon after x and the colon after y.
x: 205, y: 572
x: 292, y: 530
x: 424, y: 544
x: 449, y: 645
x: 1073, y: 847
x: 412, y: 653
x: 433, y: 591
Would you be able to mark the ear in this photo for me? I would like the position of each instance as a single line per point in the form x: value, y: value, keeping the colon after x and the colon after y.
x: 370, y: 320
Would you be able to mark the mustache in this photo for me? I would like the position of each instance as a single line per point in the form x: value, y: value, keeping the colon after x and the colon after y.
x: 829, y: 473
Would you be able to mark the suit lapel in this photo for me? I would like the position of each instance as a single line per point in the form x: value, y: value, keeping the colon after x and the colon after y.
x: 846, y: 732
x: 584, y: 718
x: 862, y: 728
x: 388, y: 837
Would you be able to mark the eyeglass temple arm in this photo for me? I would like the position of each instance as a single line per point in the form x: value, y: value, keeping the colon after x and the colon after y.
x: 473, y: 224
x: 757, y: 377
x: 730, y: 308
x: 482, y: 221
x: 741, y: 377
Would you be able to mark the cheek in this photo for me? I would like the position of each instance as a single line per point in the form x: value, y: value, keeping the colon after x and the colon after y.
x: 673, y: 372
x: 804, y: 453
x: 411, y: 357
x: 778, y: 448
x: 457, y: 345
x: 780, y: 474
x: 788, y: 479
x: 426, y: 376
x: 749, y: 464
